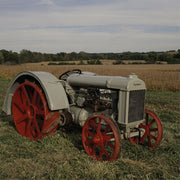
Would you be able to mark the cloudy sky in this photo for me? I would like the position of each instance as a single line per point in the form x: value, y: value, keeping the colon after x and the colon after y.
x: 90, y: 25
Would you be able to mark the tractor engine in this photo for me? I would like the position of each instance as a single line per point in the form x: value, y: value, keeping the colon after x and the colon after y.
x: 120, y: 98
x: 85, y: 102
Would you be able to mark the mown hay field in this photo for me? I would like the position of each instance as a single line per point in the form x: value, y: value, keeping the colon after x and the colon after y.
x: 157, y: 76
x: 62, y: 156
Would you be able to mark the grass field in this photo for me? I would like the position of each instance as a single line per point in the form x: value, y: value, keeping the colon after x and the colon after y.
x: 61, y: 156
x: 156, y: 76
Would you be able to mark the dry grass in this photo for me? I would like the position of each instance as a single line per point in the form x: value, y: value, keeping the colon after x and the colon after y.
x: 165, y: 77
x: 62, y: 156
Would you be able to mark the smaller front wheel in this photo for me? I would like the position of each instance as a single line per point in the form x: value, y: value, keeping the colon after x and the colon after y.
x: 101, y: 138
x: 152, y: 131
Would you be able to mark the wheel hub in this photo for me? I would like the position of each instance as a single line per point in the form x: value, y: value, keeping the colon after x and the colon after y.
x: 31, y: 111
x: 97, y: 139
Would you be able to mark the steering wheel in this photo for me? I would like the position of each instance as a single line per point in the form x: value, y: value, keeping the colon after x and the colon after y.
x: 64, y: 75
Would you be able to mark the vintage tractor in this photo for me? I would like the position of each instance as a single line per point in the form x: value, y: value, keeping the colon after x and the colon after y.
x: 107, y: 108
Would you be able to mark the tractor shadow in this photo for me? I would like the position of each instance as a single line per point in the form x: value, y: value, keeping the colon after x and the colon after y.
x: 8, y: 119
x: 73, y: 133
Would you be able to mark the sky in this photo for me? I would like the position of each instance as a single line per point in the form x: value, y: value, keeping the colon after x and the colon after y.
x: 53, y: 26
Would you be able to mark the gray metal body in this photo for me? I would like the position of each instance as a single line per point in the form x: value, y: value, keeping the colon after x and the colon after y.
x: 130, y: 94
x: 52, y: 87
x: 130, y: 83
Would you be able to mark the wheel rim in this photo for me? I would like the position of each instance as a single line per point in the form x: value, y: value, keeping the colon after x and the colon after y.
x: 31, y: 115
x: 101, y: 138
x: 153, y: 131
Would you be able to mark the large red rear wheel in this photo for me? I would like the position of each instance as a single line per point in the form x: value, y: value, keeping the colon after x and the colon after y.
x: 101, y: 138
x: 153, y: 131
x: 30, y: 112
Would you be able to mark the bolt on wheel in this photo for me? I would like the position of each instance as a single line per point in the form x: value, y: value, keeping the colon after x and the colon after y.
x: 30, y: 113
x: 101, y: 138
x: 153, y: 131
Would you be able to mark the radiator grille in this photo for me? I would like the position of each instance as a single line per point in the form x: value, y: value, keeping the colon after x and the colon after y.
x: 136, y: 105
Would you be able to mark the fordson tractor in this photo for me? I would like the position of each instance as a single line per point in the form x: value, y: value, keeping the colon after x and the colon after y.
x: 108, y: 108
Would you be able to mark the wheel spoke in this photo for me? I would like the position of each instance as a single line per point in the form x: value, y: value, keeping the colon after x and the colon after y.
x: 136, y: 140
x: 106, y: 130
x: 33, y: 131
x: 153, y: 129
x: 153, y: 137
x: 36, y: 125
x: 149, y: 141
x: 34, y: 97
x: 19, y: 94
x: 110, y: 144
x: 22, y: 97
x: 147, y: 118
x: 93, y: 149
x: 151, y: 122
x: 28, y: 128
x: 22, y: 118
x: 100, y: 154
x: 20, y: 100
x: 89, y: 141
x: 105, y: 152
x: 19, y: 108
x: 40, y: 112
x: 26, y: 95
x: 93, y: 124
x: 106, y: 138
x: 38, y: 101
x: 99, y: 126
x: 142, y: 139
x: 142, y: 126
x: 90, y: 133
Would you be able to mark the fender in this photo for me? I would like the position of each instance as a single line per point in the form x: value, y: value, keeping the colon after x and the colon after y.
x: 51, y: 86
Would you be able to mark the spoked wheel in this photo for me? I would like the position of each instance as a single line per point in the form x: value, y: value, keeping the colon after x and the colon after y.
x: 101, y: 138
x: 30, y: 113
x: 153, y: 131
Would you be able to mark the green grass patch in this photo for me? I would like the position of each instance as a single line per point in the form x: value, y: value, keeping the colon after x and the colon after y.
x: 61, y: 156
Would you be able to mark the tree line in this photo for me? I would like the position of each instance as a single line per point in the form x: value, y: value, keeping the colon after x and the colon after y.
x: 27, y: 56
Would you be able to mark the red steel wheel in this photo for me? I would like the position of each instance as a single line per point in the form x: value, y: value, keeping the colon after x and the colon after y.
x: 153, y: 130
x: 30, y: 113
x: 101, y: 138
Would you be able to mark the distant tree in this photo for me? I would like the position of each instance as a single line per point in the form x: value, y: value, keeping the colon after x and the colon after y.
x: 81, y: 62
x: 13, y: 58
x: 166, y: 57
x: 94, y: 62
x: 48, y: 57
x: 9, y: 57
x: 118, y: 62
x: 83, y: 55
x: 26, y: 56
x: 73, y: 56
x: 177, y: 55
x: 152, y: 57
x: 1, y: 58
x: 60, y: 56
x: 5, y: 54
